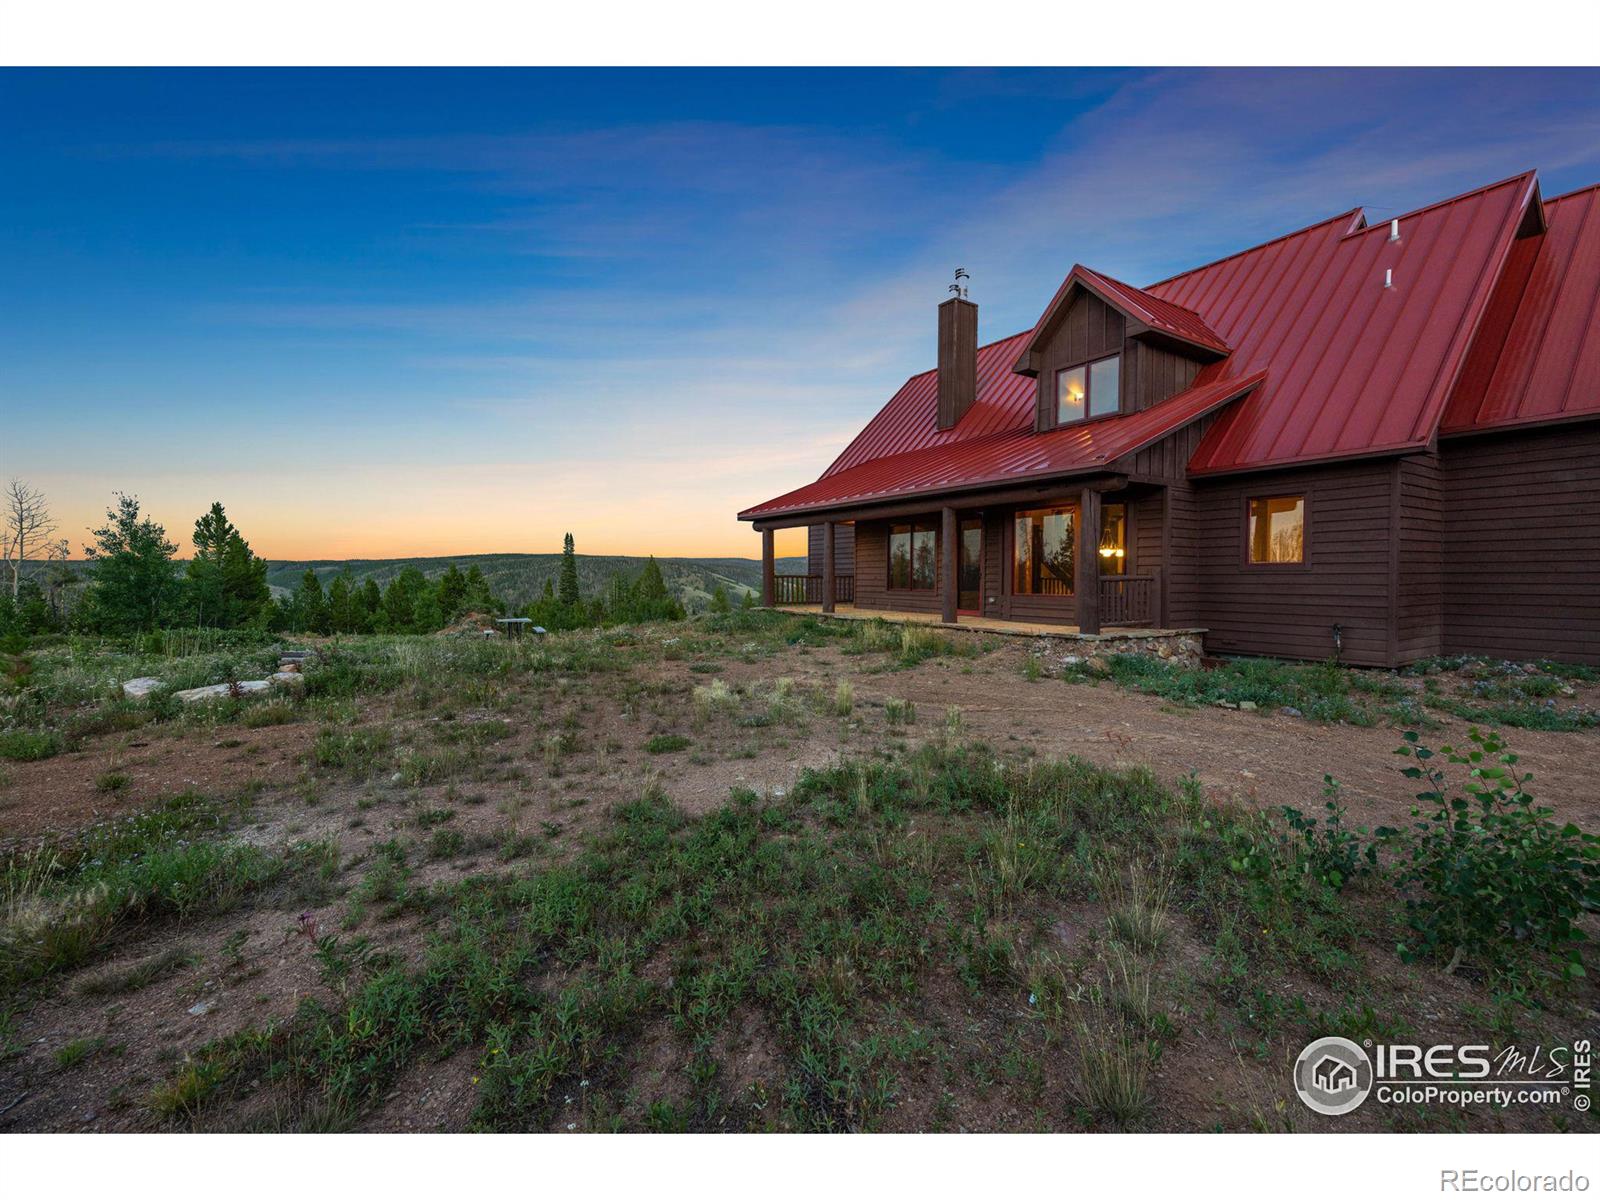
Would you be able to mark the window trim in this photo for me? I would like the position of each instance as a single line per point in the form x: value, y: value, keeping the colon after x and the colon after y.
x: 916, y: 527
x: 1087, y: 366
x: 1249, y: 564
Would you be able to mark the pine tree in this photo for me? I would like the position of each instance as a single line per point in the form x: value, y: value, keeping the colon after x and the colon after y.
x: 371, y: 606
x: 400, y: 601
x: 451, y: 594
x: 651, y: 599
x: 719, y: 600
x: 344, y: 605
x: 480, y: 596
x: 227, y: 583
x: 310, y: 607
x: 135, y: 579
x: 568, y: 587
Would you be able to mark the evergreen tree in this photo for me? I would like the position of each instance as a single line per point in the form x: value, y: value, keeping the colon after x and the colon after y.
x: 650, y: 599
x: 371, y: 606
x: 310, y: 607
x: 344, y: 605
x: 451, y: 594
x: 26, y: 613
x: 426, y: 615
x: 619, y: 599
x: 135, y: 580
x: 719, y: 600
x: 480, y: 596
x: 567, y: 590
x: 227, y: 583
x: 400, y: 600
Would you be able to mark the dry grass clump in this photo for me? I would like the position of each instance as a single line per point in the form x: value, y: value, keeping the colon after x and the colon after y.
x: 714, y: 698
x: 1137, y: 900
x: 844, y: 698
x: 1113, y: 1077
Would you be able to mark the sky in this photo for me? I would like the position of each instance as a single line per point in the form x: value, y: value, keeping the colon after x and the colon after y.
x: 383, y: 313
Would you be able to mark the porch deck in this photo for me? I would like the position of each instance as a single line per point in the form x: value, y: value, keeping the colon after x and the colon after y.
x: 849, y: 612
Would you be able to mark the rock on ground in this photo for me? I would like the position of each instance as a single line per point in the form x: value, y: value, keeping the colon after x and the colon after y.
x: 247, y: 687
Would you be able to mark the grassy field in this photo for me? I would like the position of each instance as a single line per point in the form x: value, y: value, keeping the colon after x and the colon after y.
x: 751, y: 872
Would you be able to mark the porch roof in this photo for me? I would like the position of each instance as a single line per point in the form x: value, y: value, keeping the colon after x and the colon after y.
x: 1007, y: 456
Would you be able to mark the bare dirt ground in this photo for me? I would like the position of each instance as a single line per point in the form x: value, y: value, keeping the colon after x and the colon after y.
x: 233, y: 971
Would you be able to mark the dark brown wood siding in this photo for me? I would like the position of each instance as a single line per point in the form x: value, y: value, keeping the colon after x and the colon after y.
x: 1521, y: 544
x: 844, y: 549
x: 996, y: 528
x: 1088, y: 328
x: 872, y: 568
x: 1290, y: 611
x: 1180, y: 555
x: 1144, y: 536
x: 1419, y: 607
x: 1168, y: 459
x: 1154, y: 373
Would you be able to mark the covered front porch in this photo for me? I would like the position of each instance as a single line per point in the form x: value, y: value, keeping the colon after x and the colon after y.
x: 849, y: 612
x: 1073, y: 560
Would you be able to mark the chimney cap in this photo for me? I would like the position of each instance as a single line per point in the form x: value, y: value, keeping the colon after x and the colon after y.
x: 958, y: 289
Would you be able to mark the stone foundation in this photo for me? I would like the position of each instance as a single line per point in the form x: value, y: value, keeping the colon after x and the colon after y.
x: 1089, y: 651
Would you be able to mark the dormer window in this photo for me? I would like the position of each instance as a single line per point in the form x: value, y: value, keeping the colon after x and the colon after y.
x: 1090, y: 390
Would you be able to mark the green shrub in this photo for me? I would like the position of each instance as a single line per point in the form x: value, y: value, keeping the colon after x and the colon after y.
x: 1330, y: 851
x: 29, y: 745
x: 667, y: 743
x: 1488, y: 873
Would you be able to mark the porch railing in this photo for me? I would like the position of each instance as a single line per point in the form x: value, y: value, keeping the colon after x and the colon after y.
x: 807, y: 589
x: 1127, y: 599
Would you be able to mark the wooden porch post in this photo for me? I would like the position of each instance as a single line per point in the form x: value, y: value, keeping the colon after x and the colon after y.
x: 948, y: 553
x: 1087, y: 575
x: 768, y: 586
x: 827, y: 566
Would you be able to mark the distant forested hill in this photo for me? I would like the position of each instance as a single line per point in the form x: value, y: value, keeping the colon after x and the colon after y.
x: 519, y: 578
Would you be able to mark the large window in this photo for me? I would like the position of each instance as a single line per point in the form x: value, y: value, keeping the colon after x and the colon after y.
x: 911, y: 557
x: 1042, y: 563
x: 1277, y: 529
x: 1092, y: 390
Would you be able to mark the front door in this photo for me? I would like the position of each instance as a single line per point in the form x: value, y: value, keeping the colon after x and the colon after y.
x: 969, y: 573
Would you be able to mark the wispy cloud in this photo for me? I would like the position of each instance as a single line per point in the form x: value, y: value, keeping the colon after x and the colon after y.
x: 687, y: 316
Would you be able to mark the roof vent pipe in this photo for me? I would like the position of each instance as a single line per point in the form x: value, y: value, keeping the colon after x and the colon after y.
x: 1394, y: 230
x: 1388, y: 277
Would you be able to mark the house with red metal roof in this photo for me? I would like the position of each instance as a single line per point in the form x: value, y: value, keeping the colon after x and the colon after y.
x: 1372, y: 441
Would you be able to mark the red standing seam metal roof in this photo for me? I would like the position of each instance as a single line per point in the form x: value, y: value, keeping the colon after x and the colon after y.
x: 1355, y: 368
x: 1350, y: 367
x: 1547, y: 368
x: 910, y: 420
x: 1013, y: 455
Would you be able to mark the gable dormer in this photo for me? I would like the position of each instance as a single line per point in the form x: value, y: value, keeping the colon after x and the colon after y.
x: 1103, y: 348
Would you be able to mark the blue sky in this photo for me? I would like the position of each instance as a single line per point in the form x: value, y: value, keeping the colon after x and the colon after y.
x: 386, y: 312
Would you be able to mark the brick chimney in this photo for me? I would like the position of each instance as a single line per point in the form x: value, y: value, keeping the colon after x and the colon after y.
x: 958, y: 359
